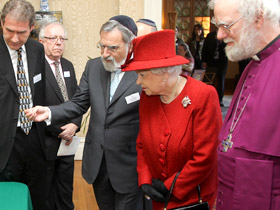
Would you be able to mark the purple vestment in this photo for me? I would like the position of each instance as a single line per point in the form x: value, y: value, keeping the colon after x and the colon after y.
x: 249, y: 172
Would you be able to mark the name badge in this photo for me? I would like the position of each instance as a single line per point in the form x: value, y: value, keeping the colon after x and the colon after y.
x: 132, y: 98
x: 37, y: 78
x: 67, y: 74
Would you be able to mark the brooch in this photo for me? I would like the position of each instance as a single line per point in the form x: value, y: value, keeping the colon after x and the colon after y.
x: 186, y: 101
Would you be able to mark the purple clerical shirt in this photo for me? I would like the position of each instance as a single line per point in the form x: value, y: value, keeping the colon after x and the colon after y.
x: 249, y: 172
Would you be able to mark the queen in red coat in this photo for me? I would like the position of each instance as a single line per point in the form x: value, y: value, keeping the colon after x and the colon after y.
x: 180, y: 119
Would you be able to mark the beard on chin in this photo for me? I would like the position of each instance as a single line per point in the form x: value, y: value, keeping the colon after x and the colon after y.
x: 112, y: 65
x: 246, y: 47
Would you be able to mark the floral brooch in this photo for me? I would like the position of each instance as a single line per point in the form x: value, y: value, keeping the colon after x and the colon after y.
x: 186, y: 101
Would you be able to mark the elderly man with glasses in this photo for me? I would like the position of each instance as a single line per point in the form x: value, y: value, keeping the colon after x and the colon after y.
x: 249, y: 155
x: 61, y: 85
x: 109, y: 157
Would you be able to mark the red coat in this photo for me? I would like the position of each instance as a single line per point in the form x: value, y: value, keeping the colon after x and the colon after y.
x: 173, y: 138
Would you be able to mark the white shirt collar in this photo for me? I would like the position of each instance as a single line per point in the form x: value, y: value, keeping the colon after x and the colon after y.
x: 14, y: 51
x: 51, y: 61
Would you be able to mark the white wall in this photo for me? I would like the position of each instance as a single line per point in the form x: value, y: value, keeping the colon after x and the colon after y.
x: 153, y: 11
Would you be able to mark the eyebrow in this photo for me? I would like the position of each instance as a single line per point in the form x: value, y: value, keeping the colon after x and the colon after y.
x: 10, y: 30
x: 221, y: 22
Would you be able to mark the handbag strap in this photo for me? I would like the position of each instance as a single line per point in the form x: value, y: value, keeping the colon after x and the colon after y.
x: 171, y: 189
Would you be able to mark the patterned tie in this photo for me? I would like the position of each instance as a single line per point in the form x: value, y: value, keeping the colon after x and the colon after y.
x: 60, y: 82
x: 114, y: 83
x: 24, y: 95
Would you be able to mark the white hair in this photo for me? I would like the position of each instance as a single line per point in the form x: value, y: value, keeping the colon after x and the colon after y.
x: 169, y: 69
x: 249, y: 9
x: 45, y: 25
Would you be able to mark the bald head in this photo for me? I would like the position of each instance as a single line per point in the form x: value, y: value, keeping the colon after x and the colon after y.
x: 145, y: 26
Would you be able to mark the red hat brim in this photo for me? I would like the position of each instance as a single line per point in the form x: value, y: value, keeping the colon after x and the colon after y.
x: 134, y: 65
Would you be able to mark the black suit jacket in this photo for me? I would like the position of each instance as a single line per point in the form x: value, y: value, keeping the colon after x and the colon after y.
x: 54, y: 97
x: 9, y: 99
x: 209, y: 48
x: 113, y: 126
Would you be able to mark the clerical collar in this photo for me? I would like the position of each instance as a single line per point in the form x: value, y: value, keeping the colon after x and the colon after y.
x: 257, y: 57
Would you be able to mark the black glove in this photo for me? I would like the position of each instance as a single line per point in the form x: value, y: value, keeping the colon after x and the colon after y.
x: 152, y: 193
x: 158, y: 185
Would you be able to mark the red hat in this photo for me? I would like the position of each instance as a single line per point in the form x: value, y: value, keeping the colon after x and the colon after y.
x: 154, y: 50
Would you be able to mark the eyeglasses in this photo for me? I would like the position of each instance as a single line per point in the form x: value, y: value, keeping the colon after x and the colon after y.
x: 223, y: 26
x: 110, y: 48
x: 56, y: 38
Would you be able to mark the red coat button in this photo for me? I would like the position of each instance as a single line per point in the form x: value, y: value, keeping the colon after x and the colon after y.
x: 164, y: 175
x: 162, y: 147
x: 162, y: 161
x: 166, y: 132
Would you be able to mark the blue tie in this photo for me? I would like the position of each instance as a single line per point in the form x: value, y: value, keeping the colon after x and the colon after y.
x: 114, y: 83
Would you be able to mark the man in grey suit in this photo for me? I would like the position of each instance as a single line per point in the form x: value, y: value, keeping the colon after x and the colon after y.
x: 109, y: 158
x: 61, y: 85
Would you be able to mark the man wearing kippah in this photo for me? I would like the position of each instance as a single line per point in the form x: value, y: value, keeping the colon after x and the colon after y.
x: 109, y: 157
x: 145, y: 26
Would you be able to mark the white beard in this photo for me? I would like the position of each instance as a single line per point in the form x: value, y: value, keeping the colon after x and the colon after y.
x: 246, y: 47
x: 113, y: 65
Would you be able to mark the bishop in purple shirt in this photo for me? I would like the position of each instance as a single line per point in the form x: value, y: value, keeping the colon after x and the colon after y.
x: 249, y: 153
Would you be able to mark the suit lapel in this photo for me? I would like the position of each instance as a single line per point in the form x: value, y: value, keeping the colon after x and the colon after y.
x: 51, y: 79
x: 7, y: 68
x: 31, y: 62
x: 105, y: 78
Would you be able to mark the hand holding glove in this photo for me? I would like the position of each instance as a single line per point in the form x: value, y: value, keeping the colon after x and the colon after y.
x: 152, y: 193
x: 158, y: 185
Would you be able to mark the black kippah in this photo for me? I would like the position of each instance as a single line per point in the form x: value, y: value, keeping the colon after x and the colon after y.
x: 126, y: 22
x: 147, y: 22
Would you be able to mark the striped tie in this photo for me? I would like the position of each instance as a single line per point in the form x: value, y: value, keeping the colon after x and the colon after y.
x: 24, y: 95
x: 60, y: 82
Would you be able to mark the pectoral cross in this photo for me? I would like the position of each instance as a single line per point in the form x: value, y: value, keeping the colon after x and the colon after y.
x: 227, y: 143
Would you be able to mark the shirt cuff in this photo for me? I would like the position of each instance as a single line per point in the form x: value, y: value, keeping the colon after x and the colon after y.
x: 48, y: 121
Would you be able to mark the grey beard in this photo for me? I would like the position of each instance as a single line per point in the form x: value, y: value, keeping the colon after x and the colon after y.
x: 246, y: 47
x: 112, y: 66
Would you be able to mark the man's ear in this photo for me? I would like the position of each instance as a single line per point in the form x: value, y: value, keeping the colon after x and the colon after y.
x: 32, y: 27
x: 129, y: 54
x: 130, y: 47
x: 259, y: 20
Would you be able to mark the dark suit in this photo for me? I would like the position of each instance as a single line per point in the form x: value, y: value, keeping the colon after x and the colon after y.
x: 211, y: 45
x: 196, y: 51
x: 22, y: 156
x: 113, y: 127
x: 61, y: 168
